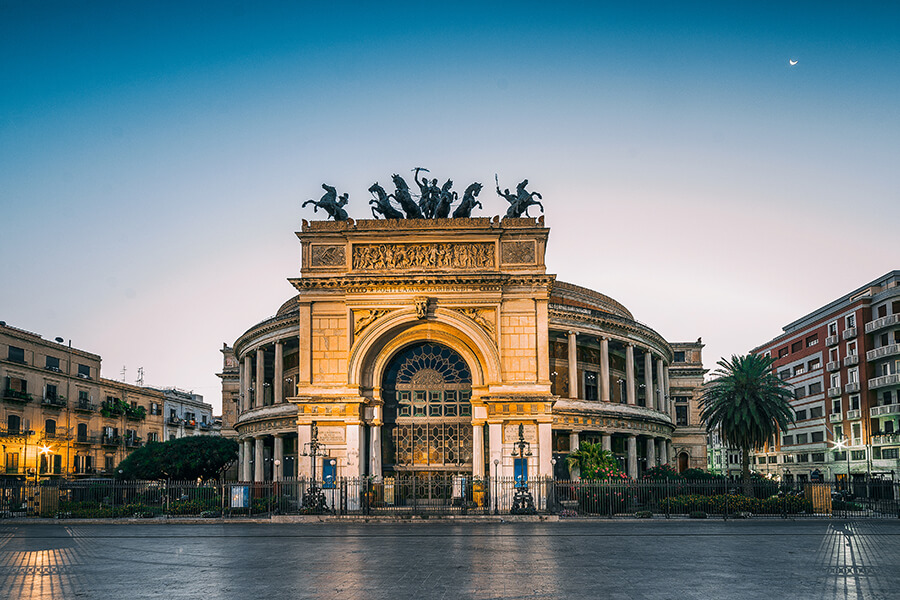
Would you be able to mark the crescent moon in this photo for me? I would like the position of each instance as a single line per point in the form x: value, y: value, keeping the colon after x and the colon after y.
x: 793, y: 62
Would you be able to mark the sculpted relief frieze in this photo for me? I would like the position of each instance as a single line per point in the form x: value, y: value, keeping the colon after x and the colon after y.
x: 483, y: 317
x: 327, y: 256
x: 364, y: 318
x: 378, y: 257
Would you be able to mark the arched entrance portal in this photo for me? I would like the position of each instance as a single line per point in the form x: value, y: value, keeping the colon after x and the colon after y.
x: 682, y: 462
x: 427, y: 433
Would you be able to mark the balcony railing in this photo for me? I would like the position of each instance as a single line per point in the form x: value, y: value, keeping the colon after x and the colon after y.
x: 54, y: 402
x: 85, y: 405
x: 851, y: 360
x: 884, y: 410
x: 851, y: 388
x: 190, y: 424
x: 849, y: 333
x: 834, y: 392
x: 854, y: 415
x: 110, y: 440
x: 85, y: 439
x: 888, y: 438
x: 889, y: 350
x: 884, y: 381
x: 832, y: 340
x: 134, y: 442
x: 16, y: 395
x: 835, y: 418
x: 833, y: 365
x: 882, y: 323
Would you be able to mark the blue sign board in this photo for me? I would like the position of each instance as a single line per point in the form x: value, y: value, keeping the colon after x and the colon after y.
x: 520, y: 471
x: 240, y: 496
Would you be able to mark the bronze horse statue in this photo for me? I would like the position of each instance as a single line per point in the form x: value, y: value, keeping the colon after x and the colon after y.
x: 330, y: 204
x: 382, y: 202
x: 446, y: 198
x: 404, y: 198
x: 521, y: 200
x: 464, y: 210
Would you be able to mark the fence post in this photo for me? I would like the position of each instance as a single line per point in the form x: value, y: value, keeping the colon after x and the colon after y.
x: 725, y: 511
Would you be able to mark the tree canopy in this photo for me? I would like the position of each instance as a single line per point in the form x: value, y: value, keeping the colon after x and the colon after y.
x: 594, y: 462
x: 187, y: 458
x: 747, y: 404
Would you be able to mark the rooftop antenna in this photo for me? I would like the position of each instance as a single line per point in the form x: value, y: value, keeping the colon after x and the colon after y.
x: 123, y: 373
x: 140, y: 378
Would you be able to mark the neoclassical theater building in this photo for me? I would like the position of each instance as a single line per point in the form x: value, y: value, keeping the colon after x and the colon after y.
x: 419, y: 346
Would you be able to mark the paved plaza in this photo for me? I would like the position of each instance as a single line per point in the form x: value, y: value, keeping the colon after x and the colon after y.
x: 633, y: 559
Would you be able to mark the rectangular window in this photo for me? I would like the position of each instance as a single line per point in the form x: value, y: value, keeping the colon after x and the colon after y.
x: 832, y: 328
x: 818, y: 437
x: 815, y: 388
x: 851, y: 348
x: 52, y: 363
x: 858, y: 455
x: 788, y: 458
x: 679, y: 357
x: 799, y: 370
x: 835, y: 380
x: 833, y: 355
x: 801, y: 415
x: 17, y: 386
x: 800, y: 392
x: 802, y: 438
x: 153, y: 436
x: 16, y: 355
x: 836, y: 406
x: 856, y: 432
x: 782, y: 352
x: 854, y: 402
x: 812, y: 340
x: 851, y: 321
x: 784, y: 374
x: 773, y: 460
x: 787, y: 440
x: 796, y: 346
x: 838, y: 432
x: 12, y: 462
x: 590, y: 385
x: 681, y: 415
x: 853, y: 376
x: 815, y: 412
x: 109, y: 462
x: 50, y: 391
x: 818, y: 457
x: 84, y: 371
x: 890, y: 453
x: 803, y: 458
x: 814, y: 364
x: 839, y: 456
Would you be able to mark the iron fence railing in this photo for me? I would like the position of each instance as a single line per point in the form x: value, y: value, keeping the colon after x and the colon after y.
x: 447, y: 495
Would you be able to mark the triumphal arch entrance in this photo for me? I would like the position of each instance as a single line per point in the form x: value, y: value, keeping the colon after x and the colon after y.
x: 423, y: 347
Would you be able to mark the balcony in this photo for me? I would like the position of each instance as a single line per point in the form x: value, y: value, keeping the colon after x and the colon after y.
x: 16, y: 396
x: 57, y: 402
x: 835, y: 418
x: 86, y: 439
x: 173, y: 421
x: 885, y: 410
x: 133, y: 442
x: 190, y: 424
x: 854, y: 415
x: 833, y: 365
x: 849, y: 333
x: 832, y: 340
x: 851, y: 388
x: 889, y: 350
x: 882, y: 323
x: 851, y: 360
x: 888, y: 438
x: 884, y: 381
x: 110, y: 440
x: 834, y: 392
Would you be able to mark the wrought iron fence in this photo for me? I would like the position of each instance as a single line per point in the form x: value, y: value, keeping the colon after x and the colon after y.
x: 447, y: 495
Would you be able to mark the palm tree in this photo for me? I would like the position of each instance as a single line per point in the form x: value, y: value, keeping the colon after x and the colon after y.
x: 747, y: 403
x: 593, y: 461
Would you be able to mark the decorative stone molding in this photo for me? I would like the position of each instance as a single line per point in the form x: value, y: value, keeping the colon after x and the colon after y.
x: 518, y: 252
x: 421, y: 303
x: 322, y: 255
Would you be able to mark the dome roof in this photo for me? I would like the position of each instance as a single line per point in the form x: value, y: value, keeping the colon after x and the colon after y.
x: 288, y: 307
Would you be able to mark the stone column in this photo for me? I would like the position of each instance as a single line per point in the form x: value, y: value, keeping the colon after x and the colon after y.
x: 240, y: 459
x: 606, y: 441
x: 477, y: 450
x: 660, y: 392
x: 354, y: 465
x: 246, y: 474
x: 663, y: 452
x: 649, y: 400
x: 375, y: 443
x: 669, y: 409
x: 495, y: 440
x: 651, y: 453
x: 260, y: 376
x: 277, y: 384
x: 574, y: 443
x: 604, y: 370
x: 629, y: 373
x: 670, y: 451
x: 245, y: 383
x: 278, y: 457
x: 545, y: 449
x: 573, y: 366
x: 632, y: 456
x: 304, y: 436
x: 258, y: 472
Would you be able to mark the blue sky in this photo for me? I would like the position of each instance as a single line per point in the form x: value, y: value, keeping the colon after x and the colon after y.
x: 154, y: 155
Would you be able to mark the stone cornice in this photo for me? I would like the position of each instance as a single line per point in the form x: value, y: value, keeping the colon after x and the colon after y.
x: 389, y: 282
x: 286, y: 322
x: 564, y: 319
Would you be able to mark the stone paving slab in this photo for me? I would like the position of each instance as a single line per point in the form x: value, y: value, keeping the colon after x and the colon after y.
x: 653, y: 559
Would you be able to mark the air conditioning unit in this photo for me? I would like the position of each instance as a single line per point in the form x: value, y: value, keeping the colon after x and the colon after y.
x: 83, y: 376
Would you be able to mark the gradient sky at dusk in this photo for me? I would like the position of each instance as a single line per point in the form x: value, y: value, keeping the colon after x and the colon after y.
x: 154, y: 155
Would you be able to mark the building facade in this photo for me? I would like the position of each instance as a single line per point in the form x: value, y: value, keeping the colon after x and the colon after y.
x: 686, y: 387
x: 843, y: 363
x: 421, y: 346
x: 59, y: 418
x: 187, y: 414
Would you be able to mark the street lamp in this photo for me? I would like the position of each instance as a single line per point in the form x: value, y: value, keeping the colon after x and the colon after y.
x: 523, y: 501
x: 496, y: 483
x: 844, y: 444
x: 314, y: 498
